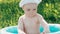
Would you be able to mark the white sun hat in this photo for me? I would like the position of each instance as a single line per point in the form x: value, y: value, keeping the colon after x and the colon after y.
x: 23, y: 2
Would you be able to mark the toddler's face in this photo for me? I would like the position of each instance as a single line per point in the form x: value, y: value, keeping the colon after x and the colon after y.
x: 30, y: 9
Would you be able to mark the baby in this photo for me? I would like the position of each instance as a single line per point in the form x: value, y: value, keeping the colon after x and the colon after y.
x: 30, y: 22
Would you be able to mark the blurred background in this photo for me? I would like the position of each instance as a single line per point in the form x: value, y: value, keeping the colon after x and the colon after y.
x: 10, y: 12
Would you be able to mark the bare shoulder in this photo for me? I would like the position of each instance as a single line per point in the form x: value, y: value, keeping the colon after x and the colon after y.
x: 39, y: 15
x: 21, y: 17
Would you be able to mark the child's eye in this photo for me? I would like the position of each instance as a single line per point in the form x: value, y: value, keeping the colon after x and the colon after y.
x: 34, y: 9
x: 28, y: 9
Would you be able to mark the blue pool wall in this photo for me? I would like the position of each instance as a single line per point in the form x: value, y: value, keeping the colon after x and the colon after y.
x: 51, y: 28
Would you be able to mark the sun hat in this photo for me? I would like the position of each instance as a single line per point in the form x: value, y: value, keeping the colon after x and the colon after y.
x: 23, y: 2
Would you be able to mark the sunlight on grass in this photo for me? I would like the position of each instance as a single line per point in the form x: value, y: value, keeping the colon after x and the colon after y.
x: 46, y: 4
x: 0, y: 0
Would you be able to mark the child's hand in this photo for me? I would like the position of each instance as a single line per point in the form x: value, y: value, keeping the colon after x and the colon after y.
x: 44, y: 33
x: 21, y: 32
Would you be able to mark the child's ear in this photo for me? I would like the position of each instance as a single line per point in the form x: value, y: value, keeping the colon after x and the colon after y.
x: 23, y: 8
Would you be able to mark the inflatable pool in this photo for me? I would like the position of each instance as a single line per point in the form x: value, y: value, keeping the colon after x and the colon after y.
x: 54, y: 29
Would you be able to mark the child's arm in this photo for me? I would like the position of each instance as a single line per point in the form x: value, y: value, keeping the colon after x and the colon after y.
x: 44, y: 24
x: 20, y: 26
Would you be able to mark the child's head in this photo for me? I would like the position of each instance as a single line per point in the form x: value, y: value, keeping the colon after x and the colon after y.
x: 29, y: 6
